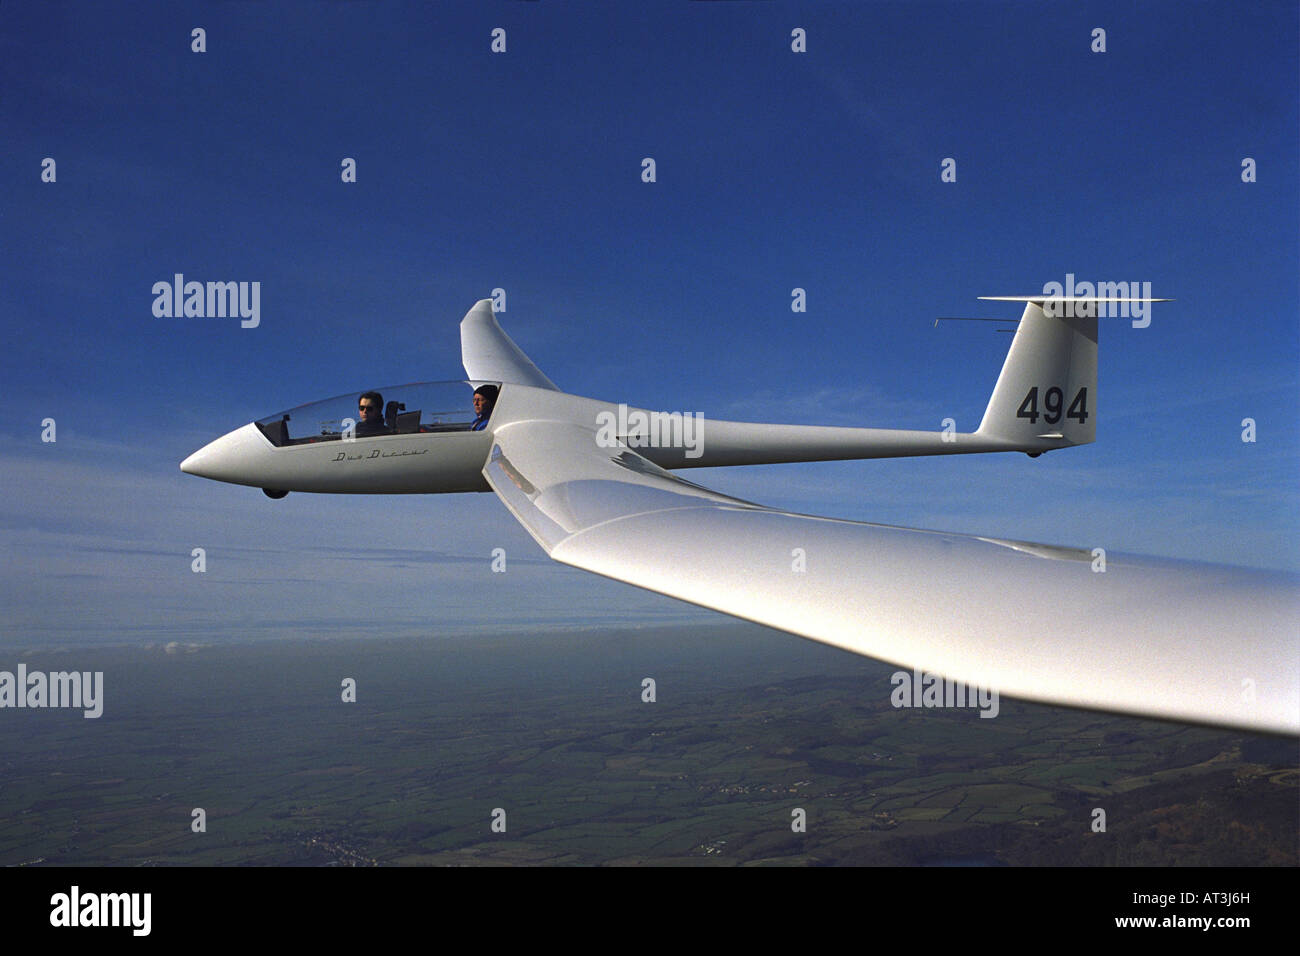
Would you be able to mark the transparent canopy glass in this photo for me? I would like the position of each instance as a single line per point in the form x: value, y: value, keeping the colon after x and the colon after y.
x: 420, y: 407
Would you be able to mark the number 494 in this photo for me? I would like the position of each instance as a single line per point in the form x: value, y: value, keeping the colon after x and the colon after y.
x: 1053, y: 400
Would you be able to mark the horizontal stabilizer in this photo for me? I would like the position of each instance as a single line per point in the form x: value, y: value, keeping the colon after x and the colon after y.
x: 1065, y: 298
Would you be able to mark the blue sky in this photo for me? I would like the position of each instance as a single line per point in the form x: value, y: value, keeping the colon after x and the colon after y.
x: 522, y: 170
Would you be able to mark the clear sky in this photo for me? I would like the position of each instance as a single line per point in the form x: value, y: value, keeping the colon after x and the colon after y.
x: 522, y: 170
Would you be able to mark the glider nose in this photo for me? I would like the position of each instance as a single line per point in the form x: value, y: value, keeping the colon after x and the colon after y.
x: 193, y: 465
x: 232, y: 457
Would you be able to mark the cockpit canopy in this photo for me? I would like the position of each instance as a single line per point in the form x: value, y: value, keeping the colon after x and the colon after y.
x: 417, y: 408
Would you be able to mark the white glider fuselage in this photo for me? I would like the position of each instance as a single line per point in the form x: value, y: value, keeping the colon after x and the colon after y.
x: 380, y: 465
x: 452, y: 461
x: 1044, y: 399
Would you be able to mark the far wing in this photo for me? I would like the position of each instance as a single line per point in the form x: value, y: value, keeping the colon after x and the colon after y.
x: 489, y: 355
x: 1177, y: 640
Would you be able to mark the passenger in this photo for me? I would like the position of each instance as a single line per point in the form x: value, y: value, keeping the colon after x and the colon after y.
x: 371, y: 423
x: 485, y: 399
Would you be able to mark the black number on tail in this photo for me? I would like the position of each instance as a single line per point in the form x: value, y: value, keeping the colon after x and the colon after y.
x: 1052, y: 401
x: 1029, y: 407
x: 1079, y: 407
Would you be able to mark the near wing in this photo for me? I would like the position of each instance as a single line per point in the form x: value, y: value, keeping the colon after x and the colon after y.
x: 1177, y: 640
x: 489, y: 355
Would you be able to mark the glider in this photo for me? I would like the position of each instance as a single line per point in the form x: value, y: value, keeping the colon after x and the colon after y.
x: 593, y: 483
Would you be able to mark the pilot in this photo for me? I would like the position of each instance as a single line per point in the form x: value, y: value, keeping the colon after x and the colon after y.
x: 371, y: 407
x: 485, y: 398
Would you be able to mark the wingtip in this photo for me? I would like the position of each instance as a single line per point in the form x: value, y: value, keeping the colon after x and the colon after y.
x: 480, y: 311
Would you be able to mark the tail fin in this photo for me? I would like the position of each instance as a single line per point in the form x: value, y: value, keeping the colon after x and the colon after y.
x: 1046, y: 395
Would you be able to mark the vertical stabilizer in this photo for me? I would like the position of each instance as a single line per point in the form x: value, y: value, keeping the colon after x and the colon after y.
x: 1048, y: 387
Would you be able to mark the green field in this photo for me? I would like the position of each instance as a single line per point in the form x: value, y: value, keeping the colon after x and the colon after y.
x: 749, y: 726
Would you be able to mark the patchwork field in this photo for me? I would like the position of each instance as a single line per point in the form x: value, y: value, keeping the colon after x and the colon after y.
x: 748, y: 728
